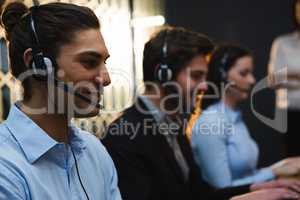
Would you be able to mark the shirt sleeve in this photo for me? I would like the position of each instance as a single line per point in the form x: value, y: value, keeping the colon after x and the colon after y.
x: 261, y: 175
x: 10, y: 187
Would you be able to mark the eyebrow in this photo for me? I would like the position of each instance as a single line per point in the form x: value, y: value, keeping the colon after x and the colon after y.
x: 198, y: 71
x: 94, y: 54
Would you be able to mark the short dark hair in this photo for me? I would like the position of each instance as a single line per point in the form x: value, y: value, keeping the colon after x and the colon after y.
x: 182, y: 46
x: 56, y: 24
x: 222, y: 60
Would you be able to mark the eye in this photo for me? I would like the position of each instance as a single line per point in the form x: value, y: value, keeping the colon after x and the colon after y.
x: 197, y: 75
x: 106, y: 59
x: 90, y: 63
x: 244, y: 73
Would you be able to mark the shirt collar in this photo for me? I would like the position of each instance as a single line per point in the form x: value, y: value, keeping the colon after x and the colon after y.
x: 157, y: 114
x: 33, y: 140
x: 76, y: 139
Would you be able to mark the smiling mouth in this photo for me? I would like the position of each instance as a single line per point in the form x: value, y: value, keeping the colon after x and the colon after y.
x: 90, y: 97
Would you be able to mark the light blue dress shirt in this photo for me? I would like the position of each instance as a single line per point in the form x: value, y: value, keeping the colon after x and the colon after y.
x: 33, y: 166
x: 224, y: 150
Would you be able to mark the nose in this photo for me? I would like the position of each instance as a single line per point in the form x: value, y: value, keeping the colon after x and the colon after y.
x: 202, y: 87
x: 252, y: 79
x: 103, y: 77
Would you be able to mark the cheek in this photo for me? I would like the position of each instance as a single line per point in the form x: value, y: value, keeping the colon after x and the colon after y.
x: 241, y: 80
x: 237, y: 78
x: 76, y: 74
x: 193, y: 85
x: 180, y: 80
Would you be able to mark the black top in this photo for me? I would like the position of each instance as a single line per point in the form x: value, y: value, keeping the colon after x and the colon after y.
x: 146, y: 165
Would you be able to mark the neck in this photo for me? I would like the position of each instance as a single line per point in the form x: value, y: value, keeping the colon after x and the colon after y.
x: 55, y: 125
x: 154, y: 98
x: 229, y: 101
x: 157, y: 100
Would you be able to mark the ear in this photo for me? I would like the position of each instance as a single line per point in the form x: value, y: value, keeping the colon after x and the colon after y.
x: 27, y: 57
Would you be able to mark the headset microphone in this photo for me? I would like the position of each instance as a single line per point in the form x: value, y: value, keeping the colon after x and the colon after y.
x: 70, y: 90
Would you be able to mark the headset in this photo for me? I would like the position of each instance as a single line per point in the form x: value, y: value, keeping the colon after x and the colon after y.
x: 43, y: 67
x: 223, y: 74
x: 222, y: 71
x: 164, y: 72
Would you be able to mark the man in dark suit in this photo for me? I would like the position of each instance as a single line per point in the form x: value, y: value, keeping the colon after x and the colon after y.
x: 147, y: 143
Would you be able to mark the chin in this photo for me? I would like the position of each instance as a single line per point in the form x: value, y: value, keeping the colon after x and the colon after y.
x: 91, y: 113
x: 245, y: 96
x: 85, y: 110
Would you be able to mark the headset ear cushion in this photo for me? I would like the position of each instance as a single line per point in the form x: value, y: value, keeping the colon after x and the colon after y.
x: 164, y: 73
x: 49, y: 65
x: 44, y: 64
x: 169, y: 74
x: 159, y: 74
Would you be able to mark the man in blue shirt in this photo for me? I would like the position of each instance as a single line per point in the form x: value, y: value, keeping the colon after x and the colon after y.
x: 35, y: 166
x: 42, y: 156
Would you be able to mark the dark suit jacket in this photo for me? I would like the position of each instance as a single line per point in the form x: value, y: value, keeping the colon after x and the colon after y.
x: 146, y: 166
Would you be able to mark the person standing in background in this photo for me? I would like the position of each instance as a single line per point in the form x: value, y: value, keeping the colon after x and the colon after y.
x: 284, y: 77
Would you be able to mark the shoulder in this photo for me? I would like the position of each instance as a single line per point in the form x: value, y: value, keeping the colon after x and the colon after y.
x: 212, y: 124
x: 11, y: 155
x: 285, y: 39
x: 4, y: 134
x: 213, y: 115
x: 12, y: 163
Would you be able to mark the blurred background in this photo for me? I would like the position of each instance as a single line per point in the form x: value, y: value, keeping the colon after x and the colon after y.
x: 128, y: 24
x: 254, y: 24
